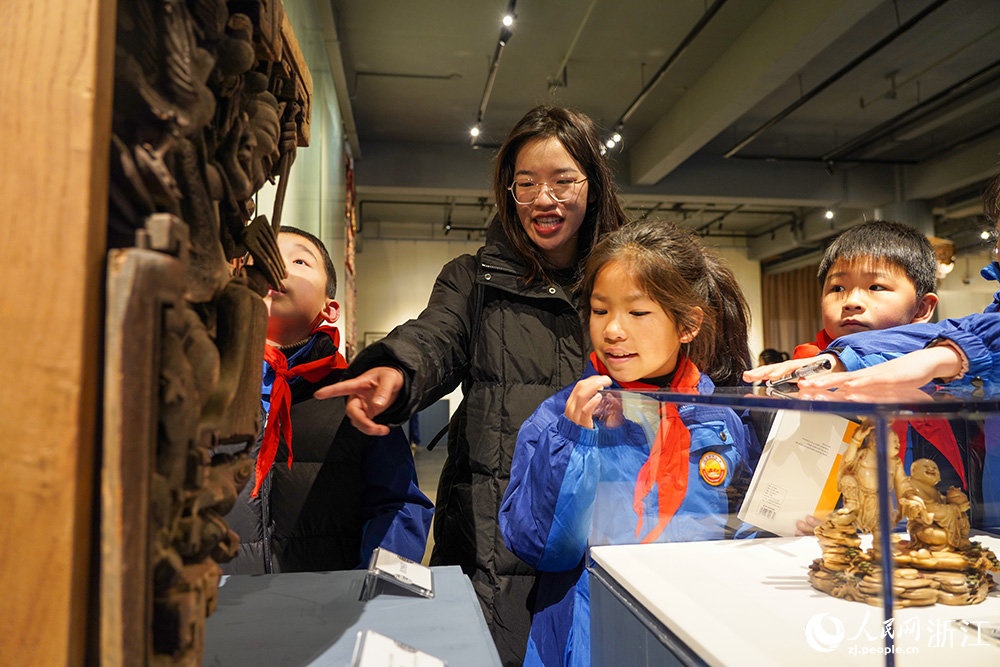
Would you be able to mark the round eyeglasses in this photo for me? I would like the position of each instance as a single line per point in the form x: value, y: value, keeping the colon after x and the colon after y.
x: 525, y: 192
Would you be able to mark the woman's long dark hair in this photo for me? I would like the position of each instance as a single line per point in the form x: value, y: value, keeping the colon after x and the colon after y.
x: 578, y: 134
x: 673, y: 268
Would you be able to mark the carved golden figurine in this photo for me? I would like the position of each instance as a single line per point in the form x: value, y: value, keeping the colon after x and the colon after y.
x: 938, y: 564
x: 857, y: 478
x: 935, y: 520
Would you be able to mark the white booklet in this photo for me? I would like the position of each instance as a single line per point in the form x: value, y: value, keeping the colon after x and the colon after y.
x: 797, y: 473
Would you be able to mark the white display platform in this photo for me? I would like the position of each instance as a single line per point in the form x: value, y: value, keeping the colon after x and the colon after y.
x: 749, y: 602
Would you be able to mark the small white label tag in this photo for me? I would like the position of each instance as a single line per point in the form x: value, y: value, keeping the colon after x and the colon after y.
x: 404, y: 570
x: 387, y: 568
x: 377, y: 650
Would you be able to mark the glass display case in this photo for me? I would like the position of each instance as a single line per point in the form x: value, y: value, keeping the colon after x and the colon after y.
x: 748, y: 526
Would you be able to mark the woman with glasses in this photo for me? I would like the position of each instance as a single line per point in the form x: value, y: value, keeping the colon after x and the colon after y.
x: 504, y: 324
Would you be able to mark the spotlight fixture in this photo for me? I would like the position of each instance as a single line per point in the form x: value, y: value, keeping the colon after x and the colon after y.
x: 828, y: 214
x: 505, y: 34
x: 984, y: 235
x: 610, y: 143
x: 616, y: 137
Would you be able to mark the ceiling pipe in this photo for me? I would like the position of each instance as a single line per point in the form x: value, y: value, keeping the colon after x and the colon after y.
x: 720, y: 218
x: 674, y: 57
x: 967, y: 86
x: 961, y: 143
x: 680, y: 208
x: 784, y: 113
x: 809, y: 158
x: 448, y: 205
x: 425, y: 203
x: 650, y: 211
x: 505, y: 35
x: 559, y: 80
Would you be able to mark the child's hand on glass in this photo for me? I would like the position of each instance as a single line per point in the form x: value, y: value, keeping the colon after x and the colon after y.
x: 585, y: 398
x: 609, y: 410
x: 784, y: 369
x: 914, y: 369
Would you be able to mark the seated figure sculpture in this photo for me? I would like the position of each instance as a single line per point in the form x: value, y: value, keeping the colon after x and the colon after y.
x: 936, y: 520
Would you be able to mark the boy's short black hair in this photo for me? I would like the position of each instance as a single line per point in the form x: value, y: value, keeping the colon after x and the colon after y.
x: 886, y: 241
x: 331, y: 273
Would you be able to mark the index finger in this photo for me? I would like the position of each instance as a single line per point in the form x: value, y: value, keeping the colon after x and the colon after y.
x: 355, y: 411
x: 342, y: 388
x: 776, y: 371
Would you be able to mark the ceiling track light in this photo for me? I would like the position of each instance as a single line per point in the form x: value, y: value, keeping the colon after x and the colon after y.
x: 505, y: 34
x: 614, y: 141
x: 695, y: 31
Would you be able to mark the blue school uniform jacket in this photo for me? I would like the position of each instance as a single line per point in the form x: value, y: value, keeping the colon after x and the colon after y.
x: 549, y: 513
x: 978, y: 335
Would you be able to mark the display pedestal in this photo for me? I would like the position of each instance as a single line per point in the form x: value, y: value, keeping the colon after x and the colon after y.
x: 313, y: 618
x: 741, y: 602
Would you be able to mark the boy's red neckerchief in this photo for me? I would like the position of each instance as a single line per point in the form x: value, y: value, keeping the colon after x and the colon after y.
x: 279, y: 415
x: 808, y: 350
x: 667, y: 465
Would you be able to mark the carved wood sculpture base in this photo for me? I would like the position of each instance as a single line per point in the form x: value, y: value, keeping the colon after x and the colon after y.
x: 920, y: 577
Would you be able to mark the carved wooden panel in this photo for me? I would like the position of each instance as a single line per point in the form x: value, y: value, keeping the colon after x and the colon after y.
x: 209, y: 105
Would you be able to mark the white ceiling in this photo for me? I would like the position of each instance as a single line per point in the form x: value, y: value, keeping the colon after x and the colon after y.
x: 876, y: 118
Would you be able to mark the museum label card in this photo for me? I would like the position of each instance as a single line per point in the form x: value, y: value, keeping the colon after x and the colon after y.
x: 377, y: 650
x: 386, y: 567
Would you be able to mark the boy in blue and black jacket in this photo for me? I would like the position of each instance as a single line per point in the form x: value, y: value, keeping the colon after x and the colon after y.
x: 343, y: 493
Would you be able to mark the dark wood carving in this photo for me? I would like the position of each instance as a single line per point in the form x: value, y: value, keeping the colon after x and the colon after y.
x: 211, y: 100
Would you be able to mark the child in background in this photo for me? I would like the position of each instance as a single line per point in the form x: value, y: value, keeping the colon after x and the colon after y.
x: 344, y: 493
x: 875, y: 276
x: 771, y: 356
x: 662, y: 314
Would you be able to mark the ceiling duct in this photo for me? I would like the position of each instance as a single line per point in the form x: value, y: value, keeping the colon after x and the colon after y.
x: 836, y: 76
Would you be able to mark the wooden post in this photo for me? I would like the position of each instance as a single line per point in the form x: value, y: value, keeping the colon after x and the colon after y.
x: 56, y: 69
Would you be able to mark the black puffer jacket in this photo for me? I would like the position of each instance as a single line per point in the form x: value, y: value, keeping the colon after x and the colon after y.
x: 344, y: 494
x: 530, y: 345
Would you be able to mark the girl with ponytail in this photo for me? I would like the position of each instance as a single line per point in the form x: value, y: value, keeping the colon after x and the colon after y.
x: 663, y: 314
